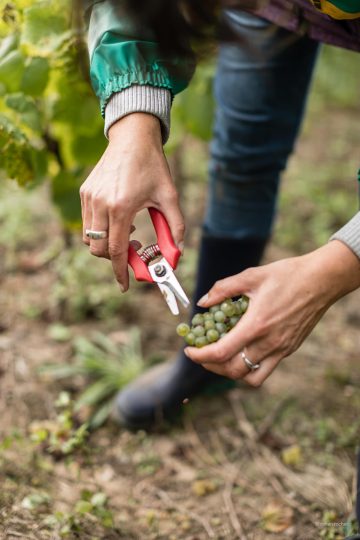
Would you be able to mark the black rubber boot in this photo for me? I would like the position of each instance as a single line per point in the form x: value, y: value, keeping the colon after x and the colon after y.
x: 158, y: 394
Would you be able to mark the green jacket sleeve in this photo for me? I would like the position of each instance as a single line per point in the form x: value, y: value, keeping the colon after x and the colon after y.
x: 122, y: 54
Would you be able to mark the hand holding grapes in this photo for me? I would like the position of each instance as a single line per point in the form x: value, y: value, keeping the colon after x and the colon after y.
x: 287, y: 299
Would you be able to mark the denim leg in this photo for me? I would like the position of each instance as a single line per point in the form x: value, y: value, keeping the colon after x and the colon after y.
x: 260, y: 90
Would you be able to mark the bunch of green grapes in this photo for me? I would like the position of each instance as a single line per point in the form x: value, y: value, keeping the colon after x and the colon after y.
x: 214, y: 324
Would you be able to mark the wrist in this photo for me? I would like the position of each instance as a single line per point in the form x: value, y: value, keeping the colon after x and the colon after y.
x: 335, y: 270
x: 138, y: 126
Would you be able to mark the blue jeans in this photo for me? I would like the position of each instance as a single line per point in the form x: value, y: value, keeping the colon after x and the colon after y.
x: 260, y: 90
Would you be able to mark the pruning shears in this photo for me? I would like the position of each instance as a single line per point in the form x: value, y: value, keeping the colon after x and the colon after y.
x: 162, y: 271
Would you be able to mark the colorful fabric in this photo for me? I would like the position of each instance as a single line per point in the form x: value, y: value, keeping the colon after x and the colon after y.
x: 338, y: 9
x: 122, y: 55
x: 302, y: 18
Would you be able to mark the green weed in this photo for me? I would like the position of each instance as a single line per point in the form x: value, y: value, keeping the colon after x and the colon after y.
x: 106, y: 367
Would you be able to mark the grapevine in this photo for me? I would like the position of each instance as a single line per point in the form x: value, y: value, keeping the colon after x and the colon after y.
x: 214, y: 324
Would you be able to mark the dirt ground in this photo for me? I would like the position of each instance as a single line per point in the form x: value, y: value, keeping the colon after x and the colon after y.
x: 276, y: 462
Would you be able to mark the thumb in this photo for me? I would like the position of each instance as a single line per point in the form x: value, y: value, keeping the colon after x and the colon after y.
x: 176, y: 223
x: 227, y: 288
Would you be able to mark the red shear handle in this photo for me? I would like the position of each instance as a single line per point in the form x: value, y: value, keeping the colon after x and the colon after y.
x: 141, y: 271
x: 164, y: 238
x: 165, y: 242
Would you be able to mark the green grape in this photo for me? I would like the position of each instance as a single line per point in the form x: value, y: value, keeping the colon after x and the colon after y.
x: 198, y: 331
x: 212, y: 336
x: 201, y: 342
x: 209, y: 324
x: 237, y: 306
x: 244, y: 302
x: 197, y: 319
x: 233, y: 321
x: 182, y: 329
x: 190, y: 338
x: 220, y: 327
x: 228, y: 309
x: 214, y: 324
x: 219, y: 316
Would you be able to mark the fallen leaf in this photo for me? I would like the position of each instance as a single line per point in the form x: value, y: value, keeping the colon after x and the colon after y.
x: 292, y: 455
x: 203, y: 487
x: 276, y: 518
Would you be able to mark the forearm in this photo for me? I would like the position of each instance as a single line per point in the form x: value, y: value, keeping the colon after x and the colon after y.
x: 336, y: 270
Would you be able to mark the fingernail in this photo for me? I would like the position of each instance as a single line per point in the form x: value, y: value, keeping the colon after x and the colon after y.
x: 186, y: 352
x: 181, y: 247
x: 203, y: 300
x: 122, y: 288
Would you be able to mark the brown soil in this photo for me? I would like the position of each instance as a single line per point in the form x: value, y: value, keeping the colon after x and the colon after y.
x: 256, y: 464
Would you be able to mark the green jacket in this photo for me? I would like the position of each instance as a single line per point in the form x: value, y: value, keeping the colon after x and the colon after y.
x: 122, y: 54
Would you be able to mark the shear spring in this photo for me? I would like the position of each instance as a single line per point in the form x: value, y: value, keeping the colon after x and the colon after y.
x: 150, y: 253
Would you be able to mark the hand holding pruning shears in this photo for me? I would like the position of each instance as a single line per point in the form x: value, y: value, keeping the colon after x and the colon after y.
x: 131, y: 175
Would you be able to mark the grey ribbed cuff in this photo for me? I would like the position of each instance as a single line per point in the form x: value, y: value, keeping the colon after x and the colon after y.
x: 350, y: 234
x: 140, y: 98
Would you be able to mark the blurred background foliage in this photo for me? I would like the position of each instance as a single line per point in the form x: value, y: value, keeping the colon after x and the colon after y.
x: 50, y: 124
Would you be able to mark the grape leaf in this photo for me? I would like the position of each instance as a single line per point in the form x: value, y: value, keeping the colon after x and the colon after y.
x: 26, y: 108
x: 77, y: 107
x: 65, y: 195
x: 9, y: 43
x: 11, y: 70
x: 35, y: 76
x: 85, y: 150
x: 45, y: 27
x: 18, y: 158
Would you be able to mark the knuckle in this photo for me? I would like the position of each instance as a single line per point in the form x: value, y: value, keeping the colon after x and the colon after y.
x: 233, y: 372
x: 116, y: 207
x: 85, y: 194
x: 116, y: 250
x: 99, y: 200
x: 96, y: 251
x: 172, y: 196
x: 180, y: 227
x: 277, y: 343
x: 218, y: 354
x: 261, y: 327
x: 219, y: 286
x: 255, y: 383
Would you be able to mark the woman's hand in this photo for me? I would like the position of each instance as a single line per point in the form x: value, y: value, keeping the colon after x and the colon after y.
x: 287, y: 299
x: 131, y: 175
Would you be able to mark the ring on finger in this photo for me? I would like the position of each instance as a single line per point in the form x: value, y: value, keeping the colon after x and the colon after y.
x: 96, y: 235
x: 249, y: 364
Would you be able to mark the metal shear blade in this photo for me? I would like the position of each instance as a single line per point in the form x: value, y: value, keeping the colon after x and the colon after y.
x: 162, y: 274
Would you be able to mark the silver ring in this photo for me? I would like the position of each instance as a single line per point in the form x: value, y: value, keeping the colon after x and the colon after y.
x: 248, y: 363
x: 96, y: 235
